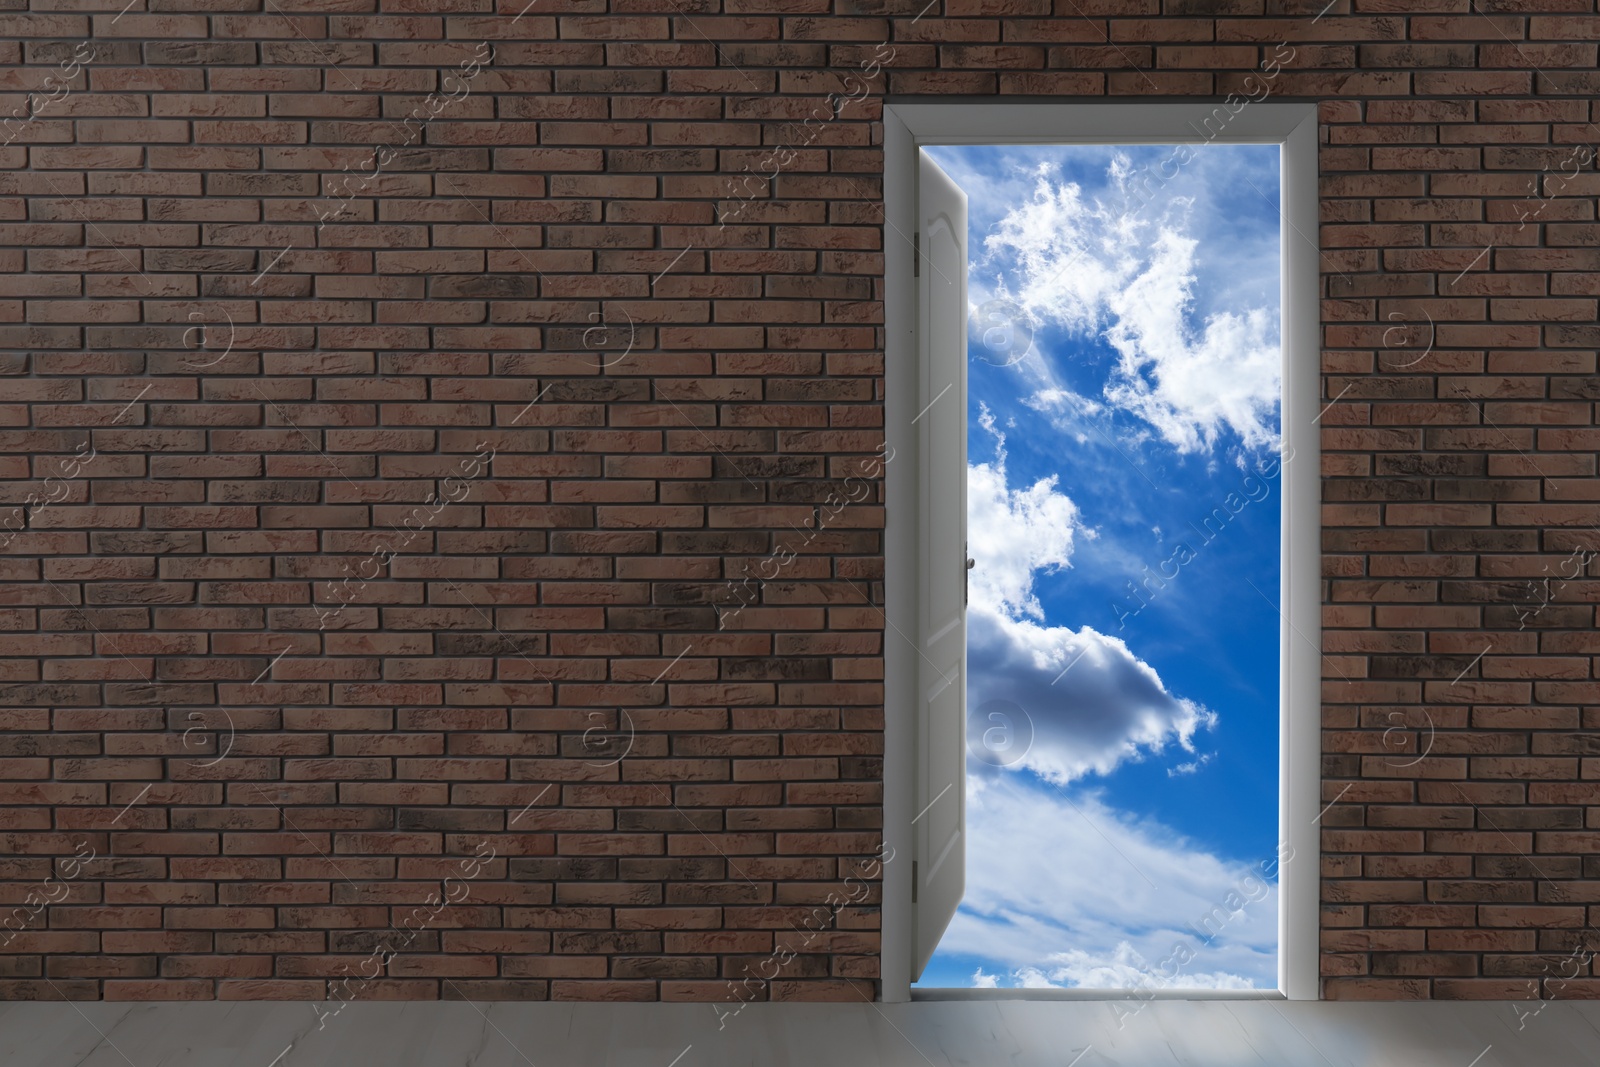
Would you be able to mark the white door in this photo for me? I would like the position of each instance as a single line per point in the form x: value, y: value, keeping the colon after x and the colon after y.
x: 939, y: 832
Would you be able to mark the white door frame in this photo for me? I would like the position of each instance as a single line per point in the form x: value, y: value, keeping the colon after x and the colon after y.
x: 907, y: 127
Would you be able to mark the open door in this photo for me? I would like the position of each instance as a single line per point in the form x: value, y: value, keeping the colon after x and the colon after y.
x: 939, y: 831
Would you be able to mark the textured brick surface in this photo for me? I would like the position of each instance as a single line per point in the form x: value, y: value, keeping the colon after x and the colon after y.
x: 396, y: 401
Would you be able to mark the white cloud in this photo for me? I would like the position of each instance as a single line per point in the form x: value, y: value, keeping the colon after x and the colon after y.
x: 1192, y: 767
x: 1070, y: 412
x: 1188, y: 384
x: 1070, y: 254
x: 1091, y: 703
x: 1124, y: 968
x: 1087, y: 702
x: 1012, y: 533
x: 1129, y: 277
x: 1117, y: 896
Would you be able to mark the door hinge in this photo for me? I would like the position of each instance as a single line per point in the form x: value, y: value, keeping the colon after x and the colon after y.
x: 913, y: 881
x: 916, y: 255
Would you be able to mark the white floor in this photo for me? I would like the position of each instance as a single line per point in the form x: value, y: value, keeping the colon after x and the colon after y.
x: 937, y: 1034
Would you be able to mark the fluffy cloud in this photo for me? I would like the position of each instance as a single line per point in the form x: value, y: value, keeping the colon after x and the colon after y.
x: 1087, y: 703
x: 1014, y: 532
x: 1069, y: 254
x: 1087, y: 700
x: 1108, y: 272
x: 1189, y: 384
x: 1121, y: 893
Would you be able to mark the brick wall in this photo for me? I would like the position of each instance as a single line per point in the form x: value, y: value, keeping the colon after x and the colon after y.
x: 395, y: 398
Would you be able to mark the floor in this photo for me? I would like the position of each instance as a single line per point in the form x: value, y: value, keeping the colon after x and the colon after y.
x: 986, y: 1033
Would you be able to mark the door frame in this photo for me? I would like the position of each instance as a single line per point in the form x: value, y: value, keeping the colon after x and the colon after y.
x: 909, y: 125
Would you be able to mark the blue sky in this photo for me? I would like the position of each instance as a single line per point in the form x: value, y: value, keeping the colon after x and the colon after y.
x: 1123, y: 383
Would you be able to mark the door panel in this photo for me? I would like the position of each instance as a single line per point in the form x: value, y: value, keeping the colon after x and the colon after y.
x: 939, y: 833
